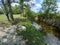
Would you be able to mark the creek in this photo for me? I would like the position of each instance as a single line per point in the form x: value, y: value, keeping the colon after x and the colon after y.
x: 51, y: 34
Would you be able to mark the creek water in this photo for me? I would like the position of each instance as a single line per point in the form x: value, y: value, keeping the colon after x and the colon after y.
x: 51, y: 34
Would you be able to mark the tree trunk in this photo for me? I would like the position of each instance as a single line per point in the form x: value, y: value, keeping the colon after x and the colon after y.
x: 5, y: 10
x: 10, y: 10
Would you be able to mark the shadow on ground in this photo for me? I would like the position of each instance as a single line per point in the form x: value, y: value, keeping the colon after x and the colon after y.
x: 19, y: 20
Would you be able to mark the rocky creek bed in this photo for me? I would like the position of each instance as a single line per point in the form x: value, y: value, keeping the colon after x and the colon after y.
x: 50, y: 35
x: 8, y: 35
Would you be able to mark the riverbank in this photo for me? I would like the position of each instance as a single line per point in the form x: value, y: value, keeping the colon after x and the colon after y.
x: 31, y: 36
x: 51, y: 33
x: 55, y: 22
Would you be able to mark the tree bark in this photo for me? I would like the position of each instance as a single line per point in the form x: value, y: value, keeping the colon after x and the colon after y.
x: 10, y: 10
x: 5, y: 10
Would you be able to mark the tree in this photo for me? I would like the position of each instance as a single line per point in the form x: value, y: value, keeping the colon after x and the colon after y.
x: 16, y: 9
x: 49, y: 7
x: 7, y: 9
x: 10, y: 10
x: 23, y: 5
x: 1, y: 11
x: 27, y: 11
x: 39, y: 13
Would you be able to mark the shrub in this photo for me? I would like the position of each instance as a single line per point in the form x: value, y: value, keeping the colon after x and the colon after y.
x: 31, y: 34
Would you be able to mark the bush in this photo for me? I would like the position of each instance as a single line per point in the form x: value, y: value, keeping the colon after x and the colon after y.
x: 31, y: 34
x: 1, y: 11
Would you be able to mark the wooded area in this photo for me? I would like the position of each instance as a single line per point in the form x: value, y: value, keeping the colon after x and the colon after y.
x: 37, y: 28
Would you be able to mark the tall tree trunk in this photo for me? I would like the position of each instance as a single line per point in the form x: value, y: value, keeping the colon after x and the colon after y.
x: 10, y: 10
x: 5, y: 10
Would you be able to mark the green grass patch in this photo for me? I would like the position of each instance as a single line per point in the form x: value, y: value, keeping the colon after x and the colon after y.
x: 4, y: 18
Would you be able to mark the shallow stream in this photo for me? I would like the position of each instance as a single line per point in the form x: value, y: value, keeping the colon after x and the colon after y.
x: 51, y: 34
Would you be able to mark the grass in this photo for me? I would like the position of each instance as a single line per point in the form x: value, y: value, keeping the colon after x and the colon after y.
x: 4, y: 18
x: 31, y: 35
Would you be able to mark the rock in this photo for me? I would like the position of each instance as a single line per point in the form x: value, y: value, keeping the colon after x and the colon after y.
x: 53, y: 22
x: 36, y: 18
x: 19, y: 37
x: 1, y: 28
x: 2, y: 33
x: 8, y: 36
x: 4, y: 40
x: 22, y: 42
x: 12, y: 31
x: 21, y: 28
x: 51, y: 39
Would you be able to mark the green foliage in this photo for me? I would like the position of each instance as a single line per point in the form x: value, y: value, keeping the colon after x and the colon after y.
x: 1, y: 11
x: 16, y: 10
x: 49, y: 6
x: 31, y: 34
x: 28, y: 12
x: 7, y: 9
x: 23, y: 6
x: 4, y: 18
x: 39, y: 13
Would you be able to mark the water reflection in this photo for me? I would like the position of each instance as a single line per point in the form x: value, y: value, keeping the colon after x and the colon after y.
x: 38, y: 27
